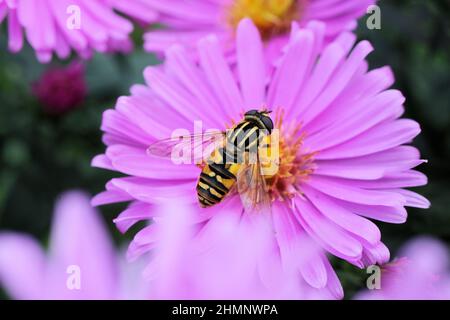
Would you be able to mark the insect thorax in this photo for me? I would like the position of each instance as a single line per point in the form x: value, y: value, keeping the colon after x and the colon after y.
x: 243, y: 142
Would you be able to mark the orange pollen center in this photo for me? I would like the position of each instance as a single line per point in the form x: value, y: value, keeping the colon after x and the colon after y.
x: 294, y: 166
x: 272, y: 17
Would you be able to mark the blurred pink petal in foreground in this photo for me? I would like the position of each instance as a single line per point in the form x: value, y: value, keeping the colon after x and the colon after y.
x: 186, y: 22
x: 79, y: 245
x: 61, y: 89
x: 60, y: 26
x: 223, y: 261
x: 422, y: 272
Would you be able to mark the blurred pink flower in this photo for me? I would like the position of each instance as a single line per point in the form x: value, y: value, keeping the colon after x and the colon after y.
x: 223, y: 261
x: 341, y: 147
x: 58, y: 26
x: 188, y: 21
x: 61, y: 89
x: 421, y: 273
x: 78, y: 240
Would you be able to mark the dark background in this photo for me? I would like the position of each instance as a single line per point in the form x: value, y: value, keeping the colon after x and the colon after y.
x: 43, y: 155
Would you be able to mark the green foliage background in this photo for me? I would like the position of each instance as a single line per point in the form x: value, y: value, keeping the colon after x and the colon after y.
x: 41, y: 156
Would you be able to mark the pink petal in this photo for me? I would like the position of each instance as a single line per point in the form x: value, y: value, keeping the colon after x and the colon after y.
x: 344, y: 190
x: 79, y: 237
x: 110, y: 196
x: 329, y: 60
x: 331, y: 236
x: 156, y: 191
x: 366, y: 114
x: 116, y: 123
x: 15, y: 35
x: 375, y: 254
x: 138, y: 163
x: 220, y: 77
x: 102, y: 161
x: 251, y: 64
x: 414, y: 199
x: 339, y: 81
x: 22, y: 266
x: 394, y: 214
x: 382, y: 137
x: 288, y: 80
x: 186, y: 71
x: 177, y: 97
x: 342, y: 217
x: 371, y: 167
x: 134, y: 213
x: 333, y: 283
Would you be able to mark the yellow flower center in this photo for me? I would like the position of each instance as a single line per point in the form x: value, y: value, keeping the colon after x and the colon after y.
x: 272, y: 17
x: 294, y: 165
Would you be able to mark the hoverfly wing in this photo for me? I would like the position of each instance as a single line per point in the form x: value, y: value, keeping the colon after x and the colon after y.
x: 199, y: 146
x: 252, y: 189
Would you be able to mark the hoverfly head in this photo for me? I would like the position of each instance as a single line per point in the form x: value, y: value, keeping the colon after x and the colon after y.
x: 262, y: 118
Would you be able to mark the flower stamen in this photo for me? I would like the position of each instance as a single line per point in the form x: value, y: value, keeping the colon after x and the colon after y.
x: 294, y: 166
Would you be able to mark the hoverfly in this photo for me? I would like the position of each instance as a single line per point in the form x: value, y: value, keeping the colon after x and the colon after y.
x: 239, y: 159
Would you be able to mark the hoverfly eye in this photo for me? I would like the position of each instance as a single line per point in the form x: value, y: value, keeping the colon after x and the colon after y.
x: 251, y: 113
x: 268, y: 123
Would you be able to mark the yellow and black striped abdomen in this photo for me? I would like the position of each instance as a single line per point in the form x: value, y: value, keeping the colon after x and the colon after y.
x: 216, y: 180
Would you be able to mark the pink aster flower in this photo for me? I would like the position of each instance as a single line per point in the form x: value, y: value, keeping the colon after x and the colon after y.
x: 79, y: 245
x: 421, y: 272
x: 188, y: 21
x: 61, y: 89
x: 343, y: 161
x: 58, y: 26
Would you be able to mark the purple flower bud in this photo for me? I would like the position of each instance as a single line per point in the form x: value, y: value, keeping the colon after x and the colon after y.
x: 61, y: 89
